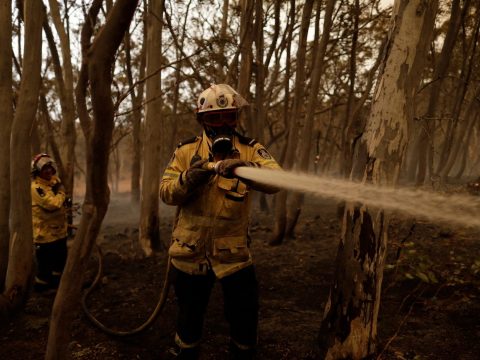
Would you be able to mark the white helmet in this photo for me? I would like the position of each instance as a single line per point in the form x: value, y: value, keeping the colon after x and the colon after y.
x: 41, y: 160
x: 220, y: 97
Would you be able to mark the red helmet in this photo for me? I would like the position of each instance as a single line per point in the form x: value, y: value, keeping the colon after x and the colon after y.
x: 41, y: 160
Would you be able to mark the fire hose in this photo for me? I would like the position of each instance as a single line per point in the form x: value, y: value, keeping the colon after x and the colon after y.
x: 150, y: 320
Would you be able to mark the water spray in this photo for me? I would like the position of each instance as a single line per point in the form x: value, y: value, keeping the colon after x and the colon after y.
x: 454, y: 209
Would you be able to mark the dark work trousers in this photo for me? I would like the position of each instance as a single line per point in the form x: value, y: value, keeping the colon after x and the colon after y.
x: 51, y: 258
x: 240, y: 292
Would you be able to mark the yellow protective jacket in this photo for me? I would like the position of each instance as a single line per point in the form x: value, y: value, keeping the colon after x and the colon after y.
x: 48, y: 212
x: 211, y: 226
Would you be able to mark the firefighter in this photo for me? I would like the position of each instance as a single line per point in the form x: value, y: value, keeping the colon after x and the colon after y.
x: 49, y: 205
x: 210, y: 235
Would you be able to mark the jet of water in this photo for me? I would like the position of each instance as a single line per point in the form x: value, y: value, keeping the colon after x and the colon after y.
x: 453, y: 208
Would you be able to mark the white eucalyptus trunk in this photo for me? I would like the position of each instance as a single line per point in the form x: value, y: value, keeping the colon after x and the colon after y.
x: 349, y: 327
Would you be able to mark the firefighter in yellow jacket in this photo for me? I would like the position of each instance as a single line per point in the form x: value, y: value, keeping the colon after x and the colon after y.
x: 49, y: 222
x: 210, y: 236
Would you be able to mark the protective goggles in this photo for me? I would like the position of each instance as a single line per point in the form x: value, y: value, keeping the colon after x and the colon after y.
x: 222, y: 118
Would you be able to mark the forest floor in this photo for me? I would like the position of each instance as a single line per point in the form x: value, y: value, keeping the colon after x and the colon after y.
x: 430, y: 305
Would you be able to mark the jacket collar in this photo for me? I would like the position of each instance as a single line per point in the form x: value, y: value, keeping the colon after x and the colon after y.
x: 42, y: 181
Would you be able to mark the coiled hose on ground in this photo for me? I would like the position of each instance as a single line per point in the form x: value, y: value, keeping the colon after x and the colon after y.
x: 157, y: 311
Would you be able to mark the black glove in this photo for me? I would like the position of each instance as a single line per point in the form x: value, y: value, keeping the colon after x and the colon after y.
x: 225, y: 167
x: 57, y: 187
x: 68, y: 202
x: 197, y: 174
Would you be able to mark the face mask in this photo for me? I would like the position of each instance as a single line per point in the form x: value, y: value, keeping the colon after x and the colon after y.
x: 222, y: 139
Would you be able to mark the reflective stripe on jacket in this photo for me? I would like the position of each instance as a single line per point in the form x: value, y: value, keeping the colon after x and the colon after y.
x: 48, y: 212
x: 211, y: 225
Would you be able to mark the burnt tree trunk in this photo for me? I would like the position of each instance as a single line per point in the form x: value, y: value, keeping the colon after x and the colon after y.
x: 349, y: 326
x: 100, y: 62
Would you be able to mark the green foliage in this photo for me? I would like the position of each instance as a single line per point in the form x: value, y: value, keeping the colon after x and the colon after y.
x: 422, y: 268
x: 437, y: 261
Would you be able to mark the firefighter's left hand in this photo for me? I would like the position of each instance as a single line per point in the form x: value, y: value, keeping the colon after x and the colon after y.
x: 58, y: 187
x: 226, y: 167
x: 68, y: 202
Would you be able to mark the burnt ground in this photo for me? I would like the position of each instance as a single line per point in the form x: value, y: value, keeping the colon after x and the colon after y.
x: 430, y: 307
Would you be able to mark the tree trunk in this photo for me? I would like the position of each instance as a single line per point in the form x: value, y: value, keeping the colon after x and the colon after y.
x: 196, y: 74
x: 173, y: 124
x: 6, y: 107
x: 463, y: 163
x: 20, y: 260
x: 465, y: 128
x: 346, y: 140
x: 293, y: 125
x: 247, y: 35
x: 456, y: 137
x: 307, y: 135
x: 50, y: 132
x: 100, y: 62
x: 136, y: 98
x: 279, y: 202
x: 153, y: 150
x: 424, y: 141
x: 82, y: 83
x: 258, y: 120
x: 465, y: 82
x: 276, y: 32
x: 223, y: 41
x: 349, y: 327
x: 68, y: 140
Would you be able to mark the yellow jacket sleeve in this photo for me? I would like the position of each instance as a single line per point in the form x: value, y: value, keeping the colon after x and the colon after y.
x: 173, y: 190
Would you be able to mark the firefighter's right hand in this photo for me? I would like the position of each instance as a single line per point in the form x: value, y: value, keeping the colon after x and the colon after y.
x: 197, y: 175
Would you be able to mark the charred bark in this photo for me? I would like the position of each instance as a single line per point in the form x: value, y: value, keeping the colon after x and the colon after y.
x: 349, y: 326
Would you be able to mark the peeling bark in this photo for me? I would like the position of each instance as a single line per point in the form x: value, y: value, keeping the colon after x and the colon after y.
x: 349, y: 326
